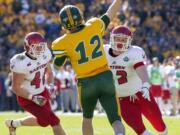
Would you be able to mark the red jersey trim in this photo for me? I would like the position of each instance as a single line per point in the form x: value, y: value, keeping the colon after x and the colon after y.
x: 138, y: 64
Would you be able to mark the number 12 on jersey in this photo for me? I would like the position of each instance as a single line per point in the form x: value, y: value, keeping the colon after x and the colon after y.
x: 82, y: 50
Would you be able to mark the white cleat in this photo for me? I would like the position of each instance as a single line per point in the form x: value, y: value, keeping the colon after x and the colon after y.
x: 12, y: 129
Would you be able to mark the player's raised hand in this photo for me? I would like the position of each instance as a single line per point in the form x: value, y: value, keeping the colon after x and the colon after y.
x: 145, y: 91
x: 114, y: 8
x: 39, y: 100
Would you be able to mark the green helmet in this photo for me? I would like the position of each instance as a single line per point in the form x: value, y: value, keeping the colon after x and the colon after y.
x: 70, y: 17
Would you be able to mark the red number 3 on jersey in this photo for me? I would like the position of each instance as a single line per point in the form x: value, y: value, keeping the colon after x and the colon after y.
x: 123, y: 76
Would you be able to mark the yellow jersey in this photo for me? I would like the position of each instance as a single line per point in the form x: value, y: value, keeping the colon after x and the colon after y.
x: 84, y: 48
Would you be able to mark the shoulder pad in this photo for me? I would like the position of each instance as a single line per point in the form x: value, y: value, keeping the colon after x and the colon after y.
x: 20, y: 57
x: 48, y: 54
x: 55, y: 44
x: 93, y: 20
x: 106, y: 47
x: 16, y: 63
x: 136, y: 50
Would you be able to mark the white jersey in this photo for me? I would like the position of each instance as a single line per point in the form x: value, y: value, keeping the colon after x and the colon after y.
x: 73, y: 77
x: 127, y: 82
x: 170, y: 72
x: 34, y: 70
x: 65, y: 79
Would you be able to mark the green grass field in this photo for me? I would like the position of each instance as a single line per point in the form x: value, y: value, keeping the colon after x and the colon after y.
x: 72, y: 124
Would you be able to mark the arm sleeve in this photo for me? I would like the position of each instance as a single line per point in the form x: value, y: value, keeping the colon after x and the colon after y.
x: 58, y: 49
x: 98, y: 23
x: 138, y: 58
x: 59, y: 53
x: 59, y: 61
x: 149, y: 70
x: 106, y: 20
x: 17, y: 66
x: 48, y: 54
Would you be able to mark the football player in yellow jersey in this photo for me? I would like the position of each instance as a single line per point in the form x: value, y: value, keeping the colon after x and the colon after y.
x: 83, y: 45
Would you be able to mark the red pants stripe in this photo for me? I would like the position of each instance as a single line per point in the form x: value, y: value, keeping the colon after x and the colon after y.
x: 132, y: 113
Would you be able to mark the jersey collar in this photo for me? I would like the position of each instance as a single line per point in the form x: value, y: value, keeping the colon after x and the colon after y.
x: 29, y: 56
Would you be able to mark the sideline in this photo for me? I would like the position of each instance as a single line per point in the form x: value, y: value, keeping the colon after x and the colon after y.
x: 60, y: 113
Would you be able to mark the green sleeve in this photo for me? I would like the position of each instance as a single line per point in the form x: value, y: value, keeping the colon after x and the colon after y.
x: 106, y: 20
x: 59, y: 61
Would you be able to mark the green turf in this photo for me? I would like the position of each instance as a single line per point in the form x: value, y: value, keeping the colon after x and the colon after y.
x: 72, y: 124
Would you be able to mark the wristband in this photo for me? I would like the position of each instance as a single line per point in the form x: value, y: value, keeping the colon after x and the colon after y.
x: 146, y: 85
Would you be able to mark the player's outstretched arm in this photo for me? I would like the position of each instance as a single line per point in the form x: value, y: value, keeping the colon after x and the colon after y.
x: 59, y: 52
x: 143, y: 75
x: 113, y: 9
x: 59, y: 61
x: 49, y: 74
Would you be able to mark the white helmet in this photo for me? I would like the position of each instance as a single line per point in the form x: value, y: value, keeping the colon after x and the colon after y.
x: 120, y: 38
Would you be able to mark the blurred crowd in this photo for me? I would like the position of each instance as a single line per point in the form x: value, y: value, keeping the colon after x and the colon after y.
x: 165, y: 84
x: 155, y: 24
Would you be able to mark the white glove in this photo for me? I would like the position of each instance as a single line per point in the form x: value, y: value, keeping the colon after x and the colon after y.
x: 51, y: 90
x: 145, y: 90
x: 38, y: 99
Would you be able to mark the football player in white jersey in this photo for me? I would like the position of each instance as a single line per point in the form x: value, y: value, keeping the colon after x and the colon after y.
x: 30, y: 71
x: 65, y: 79
x: 156, y: 77
x: 170, y: 78
x: 131, y: 81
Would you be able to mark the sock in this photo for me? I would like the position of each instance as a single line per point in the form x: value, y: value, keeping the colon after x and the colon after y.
x: 146, y: 133
x: 16, y: 123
